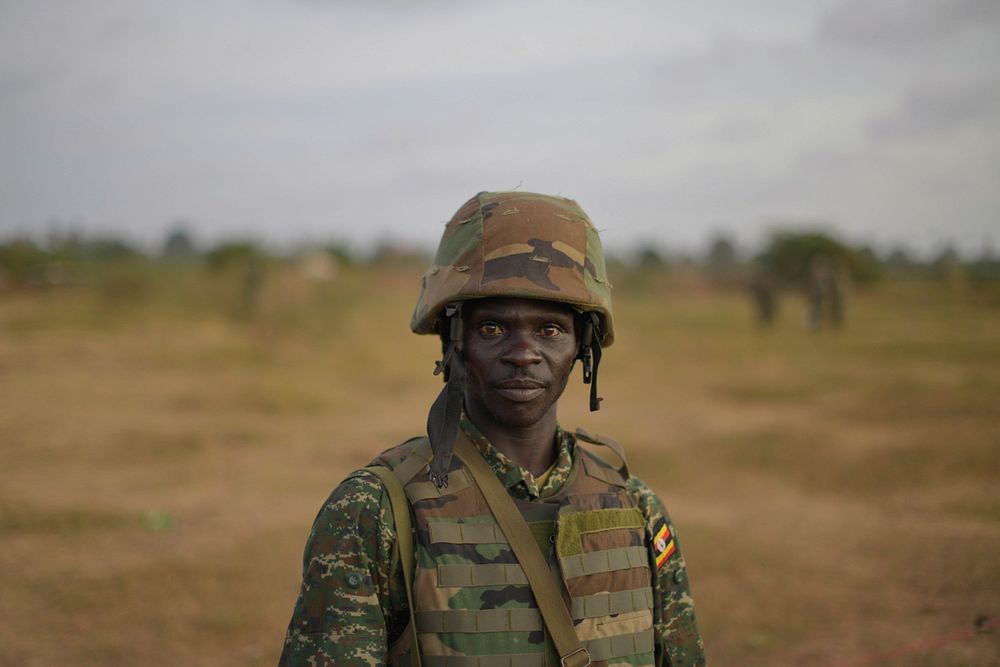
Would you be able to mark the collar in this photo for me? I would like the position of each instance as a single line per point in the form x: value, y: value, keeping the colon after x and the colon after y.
x: 519, y: 481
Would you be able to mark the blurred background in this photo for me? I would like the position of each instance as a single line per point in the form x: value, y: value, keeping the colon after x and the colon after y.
x: 213, y: 221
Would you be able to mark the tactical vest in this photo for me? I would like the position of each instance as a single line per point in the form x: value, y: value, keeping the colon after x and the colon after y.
x: 473, y: 605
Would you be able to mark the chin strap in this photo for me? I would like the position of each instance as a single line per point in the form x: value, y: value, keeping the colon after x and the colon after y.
x: 446, y: 411
x: 590, y: 355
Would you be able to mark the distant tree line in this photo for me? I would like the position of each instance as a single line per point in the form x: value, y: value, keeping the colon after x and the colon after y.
x: 787, y: 259
x: 58, y: 260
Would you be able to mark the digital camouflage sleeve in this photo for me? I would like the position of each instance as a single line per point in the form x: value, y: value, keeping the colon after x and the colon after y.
x: 673, y: 607
x: 352, y: 603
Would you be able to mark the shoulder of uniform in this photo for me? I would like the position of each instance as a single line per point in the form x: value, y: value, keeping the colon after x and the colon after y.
x: 587, y: 436
x: 408, y: 462
x: 407, y: 458
x: 392, y: 456
x: 598, y: 466
x: 357, y: 495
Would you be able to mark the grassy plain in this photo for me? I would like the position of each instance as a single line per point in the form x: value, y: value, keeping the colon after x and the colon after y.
x: 165, y: 447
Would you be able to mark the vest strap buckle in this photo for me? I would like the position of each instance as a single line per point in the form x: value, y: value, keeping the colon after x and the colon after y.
x: 578, y: 658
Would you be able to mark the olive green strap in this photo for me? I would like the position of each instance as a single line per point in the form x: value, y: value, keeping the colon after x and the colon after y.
x: 404, y: 542
x: 525, y: 548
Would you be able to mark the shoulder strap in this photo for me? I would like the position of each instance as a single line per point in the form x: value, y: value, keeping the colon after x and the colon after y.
x: 613, y: 445
x: 525, y: 548
x: 404, y: 542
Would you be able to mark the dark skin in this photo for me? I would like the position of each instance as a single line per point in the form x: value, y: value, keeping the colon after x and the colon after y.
x: 518, y: 356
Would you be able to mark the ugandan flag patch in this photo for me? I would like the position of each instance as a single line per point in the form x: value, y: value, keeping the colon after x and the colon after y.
x: 663, y: 543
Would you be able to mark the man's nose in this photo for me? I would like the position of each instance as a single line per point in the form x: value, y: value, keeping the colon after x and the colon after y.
x: 521, y: 350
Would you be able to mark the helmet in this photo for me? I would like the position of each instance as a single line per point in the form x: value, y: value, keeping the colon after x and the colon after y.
x: 517, y: 244
x: 510, y: 244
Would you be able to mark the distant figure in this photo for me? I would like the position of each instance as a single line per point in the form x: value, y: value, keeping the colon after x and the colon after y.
x: 252, y: 287
x: 764, y: 293
x: 825, y: 295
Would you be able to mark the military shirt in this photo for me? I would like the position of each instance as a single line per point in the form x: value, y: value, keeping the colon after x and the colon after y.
x: 352, y: 604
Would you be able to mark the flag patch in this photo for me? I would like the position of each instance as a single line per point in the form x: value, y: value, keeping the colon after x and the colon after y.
x: 663, y: 543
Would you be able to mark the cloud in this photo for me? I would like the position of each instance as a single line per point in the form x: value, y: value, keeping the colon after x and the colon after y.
x: 892, y: 24
x: 367, y: 120
x: 942, y: 109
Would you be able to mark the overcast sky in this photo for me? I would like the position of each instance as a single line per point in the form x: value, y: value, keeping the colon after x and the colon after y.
x: 371, y: 120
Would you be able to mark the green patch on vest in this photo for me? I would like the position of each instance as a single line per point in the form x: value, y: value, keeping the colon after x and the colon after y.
x: 572, y: 526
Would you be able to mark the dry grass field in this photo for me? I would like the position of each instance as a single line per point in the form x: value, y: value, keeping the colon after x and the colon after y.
x: 163, y: 450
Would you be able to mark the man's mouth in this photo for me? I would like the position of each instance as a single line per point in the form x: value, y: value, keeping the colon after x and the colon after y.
x: 520, y: 390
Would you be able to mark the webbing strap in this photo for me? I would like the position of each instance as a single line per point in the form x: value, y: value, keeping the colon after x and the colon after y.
x: 466, y: 533
x: 619, y: 646
x: 609, y: 560
x: 415, y: 462
x: 513, y: 660
x: 522, y: 542
x: 485, y: 574
x: 607, y: 604
x: 404, y: 543
x: 519, y: 619
x: 606, y: 648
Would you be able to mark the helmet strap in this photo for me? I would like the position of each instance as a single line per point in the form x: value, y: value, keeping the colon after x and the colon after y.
x: 590, y: 355
x: 446, y: 411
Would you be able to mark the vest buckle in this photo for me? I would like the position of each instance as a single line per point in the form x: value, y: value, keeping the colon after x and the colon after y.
x: 578, y: 658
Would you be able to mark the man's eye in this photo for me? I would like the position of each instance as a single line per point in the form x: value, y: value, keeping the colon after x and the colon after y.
x: 490, y: 329
x: 551, y: 330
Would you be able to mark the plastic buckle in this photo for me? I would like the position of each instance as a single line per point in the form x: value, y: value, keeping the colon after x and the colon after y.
x: 568, y: 659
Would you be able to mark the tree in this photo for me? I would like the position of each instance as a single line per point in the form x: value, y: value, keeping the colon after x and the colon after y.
x: 791, y: 257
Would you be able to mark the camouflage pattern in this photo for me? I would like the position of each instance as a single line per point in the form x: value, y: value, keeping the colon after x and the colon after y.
x: 352, y: 601
x: 360, y: 620
x: 674, y: 621
x: 471, y: 596
x: 517, y: 244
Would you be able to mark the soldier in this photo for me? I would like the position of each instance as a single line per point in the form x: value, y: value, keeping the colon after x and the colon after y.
x: 526, y: 548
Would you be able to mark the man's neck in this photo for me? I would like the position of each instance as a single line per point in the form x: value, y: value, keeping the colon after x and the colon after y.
x: 533, y: 447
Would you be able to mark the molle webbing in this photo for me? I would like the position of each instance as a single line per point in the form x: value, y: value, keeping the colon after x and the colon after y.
x: 466, y: 533
x: 606, y: 648
x: 494, y: 574
x: 620, y: 646
x: 490, y: 574
x: 474, y: 606
x: 606, y: 604
x: 480, y: 620
x: 610, y: 560
x: 522, y: 541
x: 518, y: 660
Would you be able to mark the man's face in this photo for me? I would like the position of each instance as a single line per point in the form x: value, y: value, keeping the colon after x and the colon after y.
x: 518, y: 355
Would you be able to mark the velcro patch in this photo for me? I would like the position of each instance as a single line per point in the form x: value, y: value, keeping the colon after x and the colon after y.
x: 663, y: 543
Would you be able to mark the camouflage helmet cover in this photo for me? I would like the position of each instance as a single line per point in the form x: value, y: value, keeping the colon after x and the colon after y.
x: 517, y: 244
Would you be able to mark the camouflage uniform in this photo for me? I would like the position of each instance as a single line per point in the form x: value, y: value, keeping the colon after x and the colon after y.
x: 353, y: 609
x: 352, y: 605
